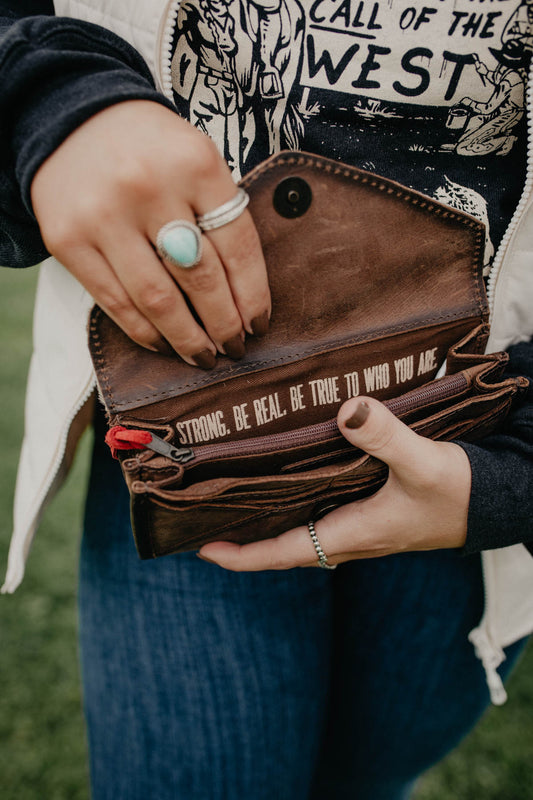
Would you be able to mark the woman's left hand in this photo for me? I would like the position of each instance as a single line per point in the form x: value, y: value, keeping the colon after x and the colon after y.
x: 422, y: 506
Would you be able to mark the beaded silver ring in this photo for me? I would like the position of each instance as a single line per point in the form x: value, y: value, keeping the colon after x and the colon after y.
x: 322, y: 557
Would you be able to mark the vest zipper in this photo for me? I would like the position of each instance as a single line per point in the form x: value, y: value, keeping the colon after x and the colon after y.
x: 16, y: 560
x: 165, y: 48
x: 496, y: 269
x: 486, y: 650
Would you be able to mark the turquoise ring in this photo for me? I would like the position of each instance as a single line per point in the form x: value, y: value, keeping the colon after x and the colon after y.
x: 180, y: 242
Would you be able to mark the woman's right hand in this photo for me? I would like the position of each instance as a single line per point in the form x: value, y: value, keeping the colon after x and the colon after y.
x: 100, y: 200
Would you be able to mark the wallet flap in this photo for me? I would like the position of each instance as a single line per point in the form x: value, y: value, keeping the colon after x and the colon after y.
x: 351, y: 257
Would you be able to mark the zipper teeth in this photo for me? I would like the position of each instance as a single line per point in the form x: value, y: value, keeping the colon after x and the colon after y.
x: 524, y: 197
x: 260, y: 444
x: 22, y: 536
x: 440, y: 389
x: 323, y: 430
x: 166, y: 49
x: 62, y: 444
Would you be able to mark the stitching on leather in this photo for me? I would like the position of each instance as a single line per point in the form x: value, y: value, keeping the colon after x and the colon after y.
x: 98, y: 355
x: 382, y: 184
x: 405, y: 193
x: 235, y: 372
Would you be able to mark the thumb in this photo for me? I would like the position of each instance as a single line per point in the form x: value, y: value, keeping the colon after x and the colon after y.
x: 369, y: 425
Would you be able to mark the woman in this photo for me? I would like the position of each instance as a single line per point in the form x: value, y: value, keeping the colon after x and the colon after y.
x: 259, y: 680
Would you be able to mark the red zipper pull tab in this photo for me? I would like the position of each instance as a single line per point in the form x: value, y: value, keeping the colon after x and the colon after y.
x: 120, y: 438
x: 179, y: 454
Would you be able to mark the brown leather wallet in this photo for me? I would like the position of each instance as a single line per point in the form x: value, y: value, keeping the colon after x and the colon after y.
x: 374, y: 287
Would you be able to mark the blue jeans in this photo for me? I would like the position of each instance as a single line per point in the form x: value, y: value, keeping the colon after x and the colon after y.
x: 203, y: 684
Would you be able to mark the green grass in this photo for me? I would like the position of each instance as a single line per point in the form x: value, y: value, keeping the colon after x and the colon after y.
x: 42, y: 740
x: 42, y: 743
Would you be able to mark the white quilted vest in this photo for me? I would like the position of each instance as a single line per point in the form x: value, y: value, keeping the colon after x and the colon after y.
x: 137, y: 21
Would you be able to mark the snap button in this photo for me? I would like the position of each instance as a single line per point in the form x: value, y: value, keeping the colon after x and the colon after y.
x: 292, y: 197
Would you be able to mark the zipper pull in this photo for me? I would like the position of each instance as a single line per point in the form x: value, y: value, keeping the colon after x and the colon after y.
x: 120, y: 438
x: 180, y: 454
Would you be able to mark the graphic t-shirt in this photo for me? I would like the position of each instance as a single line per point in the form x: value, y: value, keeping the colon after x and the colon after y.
x: 430, y: 94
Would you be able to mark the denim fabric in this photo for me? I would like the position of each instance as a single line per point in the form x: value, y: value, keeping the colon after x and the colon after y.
x: 202, y: 684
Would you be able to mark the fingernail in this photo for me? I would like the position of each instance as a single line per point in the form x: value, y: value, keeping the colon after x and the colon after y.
x: 205, y: 359
x: 234, y: 347
x: 359, y: 415
x: 259, y: 324
x: 204, y: 558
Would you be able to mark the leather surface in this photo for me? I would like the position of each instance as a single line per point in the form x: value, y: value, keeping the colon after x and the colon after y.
x: 373, y: 287
x: 368, y: 261
x: 244, y: 510
x: 258, y: 500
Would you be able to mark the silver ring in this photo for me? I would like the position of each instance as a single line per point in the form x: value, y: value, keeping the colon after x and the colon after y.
x: 322, y: 557
x: 225, y: 213
x: 180, y: 242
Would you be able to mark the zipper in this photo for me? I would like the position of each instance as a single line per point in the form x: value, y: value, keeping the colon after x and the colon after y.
x: 486, y: 650
x: 496, y: 270
x: 163, y: 448
x: 165, y: 48
x: 312, y: 434
x: 62, y: 445
x: 16, y: 563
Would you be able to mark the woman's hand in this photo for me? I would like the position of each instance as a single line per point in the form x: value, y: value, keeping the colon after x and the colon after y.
x: 100, y: 200
x: 422, y: 506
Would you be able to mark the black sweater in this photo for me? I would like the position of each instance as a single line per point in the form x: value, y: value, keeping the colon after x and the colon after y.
x: 56, y: 73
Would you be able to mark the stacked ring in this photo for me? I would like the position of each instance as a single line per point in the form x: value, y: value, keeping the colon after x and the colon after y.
x: 225, y: 213
x: 180, y: 241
